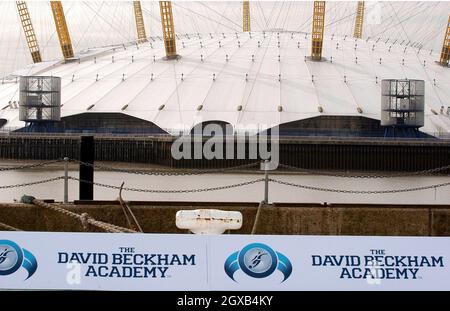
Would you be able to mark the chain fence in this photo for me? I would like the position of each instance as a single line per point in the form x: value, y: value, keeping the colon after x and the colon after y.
x: 231, y: 186
x: 191, y: 172
x: 28, y: 166
x: 241, y: 184
x: 323, y: 189
x: 87, y: 220
x: 169, y: 172
x: 367, y: 176
x: 32, y: 183
x: 159, y: 172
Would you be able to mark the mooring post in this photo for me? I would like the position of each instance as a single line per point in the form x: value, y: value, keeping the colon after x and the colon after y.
x: 266, y: 182
x: 87, y: 155
x: 66, y: 179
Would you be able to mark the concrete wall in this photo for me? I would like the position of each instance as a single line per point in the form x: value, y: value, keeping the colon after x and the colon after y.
x: 302, y: 219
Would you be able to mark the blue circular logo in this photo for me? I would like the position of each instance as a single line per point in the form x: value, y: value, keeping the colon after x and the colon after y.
x: 11, y: 257
x: 258, y: 260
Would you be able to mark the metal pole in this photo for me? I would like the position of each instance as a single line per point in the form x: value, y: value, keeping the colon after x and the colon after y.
x: 66, y: 179
x: 87, y: 156
x: 266, y: 181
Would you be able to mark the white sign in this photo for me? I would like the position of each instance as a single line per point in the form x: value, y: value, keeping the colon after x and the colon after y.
x: 102, y: 261
x: 105, y: 261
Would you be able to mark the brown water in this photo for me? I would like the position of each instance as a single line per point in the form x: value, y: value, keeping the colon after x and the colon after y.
x: 249, y: 193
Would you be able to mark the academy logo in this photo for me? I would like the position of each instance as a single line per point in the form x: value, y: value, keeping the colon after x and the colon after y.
x: 12, y: 257
x: 258, y: 261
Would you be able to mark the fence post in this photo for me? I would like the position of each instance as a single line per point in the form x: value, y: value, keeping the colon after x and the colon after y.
x: 266, y: 182
x: 66, y: 179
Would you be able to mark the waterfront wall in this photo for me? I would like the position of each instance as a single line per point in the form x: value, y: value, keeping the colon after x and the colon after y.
x: 300, y: 219
x: 364, y: 154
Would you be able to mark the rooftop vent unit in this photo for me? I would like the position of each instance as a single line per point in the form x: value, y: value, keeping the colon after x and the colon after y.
x: 40, y: 99
x: 402, y: 106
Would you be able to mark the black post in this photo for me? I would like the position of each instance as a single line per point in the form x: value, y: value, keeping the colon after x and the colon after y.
x: 87, y: 155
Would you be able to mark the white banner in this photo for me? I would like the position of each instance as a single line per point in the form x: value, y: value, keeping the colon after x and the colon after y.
x: 105, y: 261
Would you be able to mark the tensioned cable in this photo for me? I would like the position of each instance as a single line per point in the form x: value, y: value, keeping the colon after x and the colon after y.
x: 259, y: 70
x: 231, y: 21
x: 106, y: 21
x: 160, y: 74
x: 89, y: 25
x: 390, y: 26
x: 178, y: 5
x: 425, y: 71
x: 222, y: 69
x: 186, y: 76
x: 266, y: 26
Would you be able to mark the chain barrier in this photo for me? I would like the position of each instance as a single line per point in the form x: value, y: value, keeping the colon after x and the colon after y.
x: 245, y: 183
x: 171, y: 172
x: 32, y: 183
x: 155, y: 172
x: 84, y: 218
x: 358, y: 191
x: 367, y: 176
x: 28, y: 166
x: 198, y: 172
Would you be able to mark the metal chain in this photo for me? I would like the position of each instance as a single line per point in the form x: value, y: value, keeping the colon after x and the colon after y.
x: 27, y: 166
x: 155, y: 172
x: 367, y: 176
x: 245, y: 183
x: 358, y: 191
x: 32, y: 183
x: 8, y: 227
x: 222, y: 170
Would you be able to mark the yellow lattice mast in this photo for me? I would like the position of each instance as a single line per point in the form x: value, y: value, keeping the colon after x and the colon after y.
x: 445, y: 53
x: 359, y: 20
x: 61, y: 29
x: 29, y: 31
x: 246, y: 16
x: 318, y: 24
x: 168, y: 28
x: 140, y: 28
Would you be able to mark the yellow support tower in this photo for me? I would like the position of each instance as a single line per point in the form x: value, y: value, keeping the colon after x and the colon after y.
x: 246, y: 16
x: 318, y: 24
x: 359, y: 20
x: 168, y: 28
x: 445, y: 54
x: 29, y: 31
x: 61, y: 29
x: 139, y: 22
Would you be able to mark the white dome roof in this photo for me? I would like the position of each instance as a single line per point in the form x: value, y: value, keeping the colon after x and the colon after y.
x: 264, y: 71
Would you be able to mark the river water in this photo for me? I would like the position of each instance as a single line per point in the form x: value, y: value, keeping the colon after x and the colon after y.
x: 249, y: 193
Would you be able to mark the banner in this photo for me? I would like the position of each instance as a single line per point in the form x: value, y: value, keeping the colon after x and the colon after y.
x: 180, y: 262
